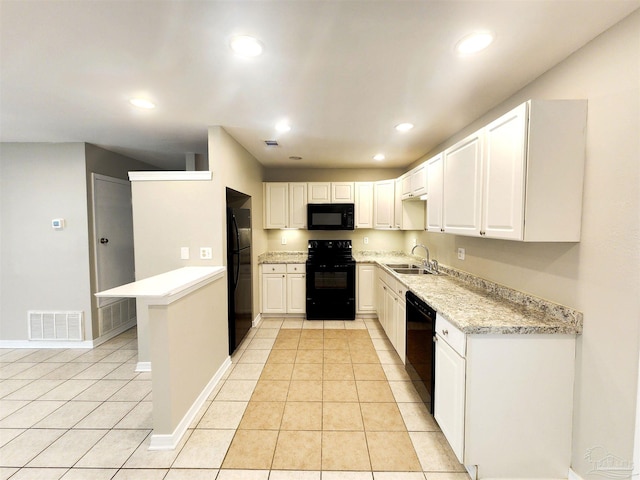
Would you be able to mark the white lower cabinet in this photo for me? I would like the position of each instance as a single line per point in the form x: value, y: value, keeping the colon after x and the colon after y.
x: 365, y: 289
x: 504, y: 402
x: 284, y: 289
x: 391, y: 308
x: 449, y: 395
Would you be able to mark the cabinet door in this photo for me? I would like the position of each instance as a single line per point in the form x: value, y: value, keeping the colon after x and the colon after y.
x: 463, y: 186
x: 419, y: 180
x: 319, y: 192
x: 366, y: 281
x: 276, y: 205
x: 380, y: 297
x: 342, y: 192
x: 405, y: 185
x: 401, y: 330
x: 434, y: 185
x: 364, y: 204
x: 274, y: 293
x: 384, y: 204
x: 449, y: 392
x: 296, y: 293
x: 397, y: 214
x: 504, y: 175
x: 297, y: 205
x: 389, y: 313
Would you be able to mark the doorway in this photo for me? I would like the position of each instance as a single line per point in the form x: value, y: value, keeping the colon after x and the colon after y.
x: 113, y: 247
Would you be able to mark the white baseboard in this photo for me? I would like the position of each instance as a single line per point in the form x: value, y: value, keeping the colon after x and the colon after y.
x: 170, y: 441
x: 257, y: 320
x: 572, y: 475
x: 114, y: 333
x: 46, y: 344
x: 143, y: 367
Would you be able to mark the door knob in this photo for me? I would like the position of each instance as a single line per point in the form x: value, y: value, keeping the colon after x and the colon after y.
x: 104, y: 240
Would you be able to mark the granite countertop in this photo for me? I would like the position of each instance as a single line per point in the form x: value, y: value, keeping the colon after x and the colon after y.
x: 473, y: 304
x: 282, y: 257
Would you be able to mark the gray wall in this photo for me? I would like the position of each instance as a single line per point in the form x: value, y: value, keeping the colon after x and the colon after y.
x: 41, y: 268
x: 599, y: 276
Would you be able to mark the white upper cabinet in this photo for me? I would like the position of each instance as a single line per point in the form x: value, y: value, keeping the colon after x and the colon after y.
x: 414, y: 183
x: 342, y: 192
x: 518, y: 178
x: 297, y: 205
x: 503, y: 185
x: 434, y: 187
x: 276, y: 205
x: 331, y: 192
x: 384, y: 204
x: 534, y: 170
x: 285, y: 205
x: 463, y: 186
x: 363, y: 204
x: 319, y: 192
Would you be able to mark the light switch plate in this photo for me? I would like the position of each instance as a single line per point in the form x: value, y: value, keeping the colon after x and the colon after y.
x: 283, y: 240
x: 184, y: 253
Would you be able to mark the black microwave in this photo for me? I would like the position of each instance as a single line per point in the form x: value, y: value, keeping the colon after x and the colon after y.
x: 330, y: 216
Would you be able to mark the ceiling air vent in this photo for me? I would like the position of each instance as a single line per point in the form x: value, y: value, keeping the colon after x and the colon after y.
x: 271, y: 143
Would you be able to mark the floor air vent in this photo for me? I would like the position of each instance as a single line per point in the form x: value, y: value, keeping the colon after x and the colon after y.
x: 55, y: 325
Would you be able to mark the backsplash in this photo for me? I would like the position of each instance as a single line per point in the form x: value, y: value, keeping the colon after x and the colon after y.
x: 297, y: 239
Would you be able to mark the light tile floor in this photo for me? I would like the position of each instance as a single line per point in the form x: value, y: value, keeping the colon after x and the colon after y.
x: 304, y: 400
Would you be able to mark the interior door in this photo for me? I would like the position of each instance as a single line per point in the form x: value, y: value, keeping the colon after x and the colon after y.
x: 113, y: 233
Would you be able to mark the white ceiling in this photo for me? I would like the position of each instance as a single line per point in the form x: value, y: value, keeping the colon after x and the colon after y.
x: 342, y: 72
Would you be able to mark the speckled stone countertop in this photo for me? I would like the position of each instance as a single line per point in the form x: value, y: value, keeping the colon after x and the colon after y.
x: 478, y: 306
x: 473, y: 304
x: 282, y: 257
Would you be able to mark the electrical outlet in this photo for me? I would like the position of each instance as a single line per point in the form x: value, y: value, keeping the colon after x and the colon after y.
x: 205, y: 253
x: 461, y: 254
x: 283, y: 240
x: 184, y: 253
x: 366, y: 240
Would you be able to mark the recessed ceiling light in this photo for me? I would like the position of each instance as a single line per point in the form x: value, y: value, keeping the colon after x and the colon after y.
x: 283, y: 126
x: 474, y: 42
x: 246, y: 46
x: 404, y: 127
x: 379, y: 157
x: 142, y: 103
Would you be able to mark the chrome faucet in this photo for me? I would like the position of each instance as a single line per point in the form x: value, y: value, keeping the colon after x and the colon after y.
x: 427, y: 261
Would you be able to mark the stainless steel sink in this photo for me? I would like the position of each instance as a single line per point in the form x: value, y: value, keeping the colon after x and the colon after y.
x: 412, y: 271
x: 393, y: 266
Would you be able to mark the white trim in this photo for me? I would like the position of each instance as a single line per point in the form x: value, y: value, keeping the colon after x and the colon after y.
x: 572, y: 475
x: 472, y: 470
x: 636, y: 441
x: 256, y: 321
x: 114, y: 333
x: 46, y: 344
x: 170, y: 441
x: 143, y: 367
x: 162, y: 176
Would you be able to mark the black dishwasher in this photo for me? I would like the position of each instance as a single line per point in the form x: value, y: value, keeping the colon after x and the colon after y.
x: 420, y: 354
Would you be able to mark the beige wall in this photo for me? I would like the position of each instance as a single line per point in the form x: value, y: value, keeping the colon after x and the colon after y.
x: 233, y: 167
x: 599, y: 276
x: 297, y: 239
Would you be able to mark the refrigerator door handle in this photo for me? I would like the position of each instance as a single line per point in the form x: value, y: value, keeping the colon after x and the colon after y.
x: 237, y: 272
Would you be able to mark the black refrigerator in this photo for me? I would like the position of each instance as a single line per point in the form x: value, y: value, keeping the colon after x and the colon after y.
x: 239, y: 274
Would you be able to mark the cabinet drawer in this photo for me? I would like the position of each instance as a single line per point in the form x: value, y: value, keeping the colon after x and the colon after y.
x: 296, y: 268
x: 274, y: 268
x: 451, y: 334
